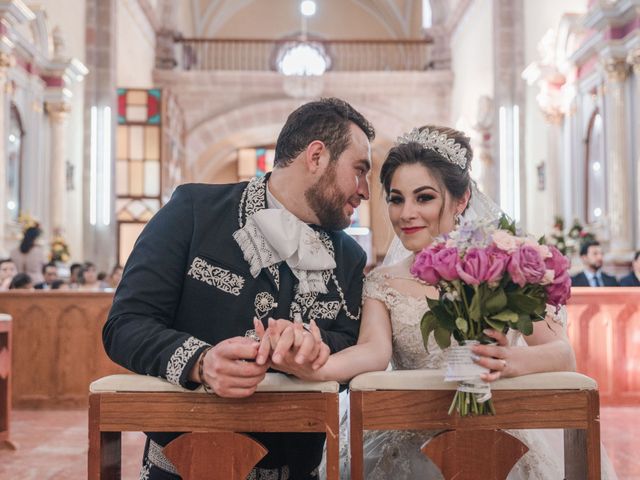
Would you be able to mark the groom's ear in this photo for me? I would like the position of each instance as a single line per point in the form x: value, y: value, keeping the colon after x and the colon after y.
x: 314, y: 156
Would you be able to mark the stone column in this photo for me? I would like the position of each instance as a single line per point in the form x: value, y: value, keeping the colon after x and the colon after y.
x: 553, y: 175
x: 6, y: 61
x: 58, y: 113
x: 620, y: 219
x: 634, y: 59
x: 509, y: 94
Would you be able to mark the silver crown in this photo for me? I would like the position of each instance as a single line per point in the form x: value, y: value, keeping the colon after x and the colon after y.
x: 439, y: 142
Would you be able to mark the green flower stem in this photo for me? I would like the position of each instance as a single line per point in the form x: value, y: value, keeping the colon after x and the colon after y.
x: 466, y: 404
x: 466, y: 306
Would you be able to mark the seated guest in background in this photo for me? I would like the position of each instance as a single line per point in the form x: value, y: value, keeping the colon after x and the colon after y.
x: 50, y: 274
x: 633, y: 279
x: 21, y: 281
x: 111, y: 282
x: 592, y: 275
x: 114, y: 278
x: 29, y: 256
x: 58, y: 284
x: 74, y: 272
x: 102, y: 280
x: 88, y: 278
x: 7, y: 271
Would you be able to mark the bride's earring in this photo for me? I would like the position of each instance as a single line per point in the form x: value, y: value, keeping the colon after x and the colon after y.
x: 456, y: 219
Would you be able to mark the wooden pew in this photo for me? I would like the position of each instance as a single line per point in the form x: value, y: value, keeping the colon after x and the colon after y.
x: 5, y: 382
x: 604, y: 326
x: 282, y: 403
x: 57, y: 346
x: 420, y: 399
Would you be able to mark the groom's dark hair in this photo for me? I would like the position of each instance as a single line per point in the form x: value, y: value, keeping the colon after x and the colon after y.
x: 326, y: 120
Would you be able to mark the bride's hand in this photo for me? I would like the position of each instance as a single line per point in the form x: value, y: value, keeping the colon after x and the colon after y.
x: 494, y: 357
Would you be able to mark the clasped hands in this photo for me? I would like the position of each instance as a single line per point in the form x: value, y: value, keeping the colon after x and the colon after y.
x: 235, y: 367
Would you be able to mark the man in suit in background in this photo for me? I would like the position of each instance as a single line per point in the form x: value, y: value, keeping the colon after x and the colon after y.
x: 633, y: 279
x: 50, y: 275
x: 592, y: 275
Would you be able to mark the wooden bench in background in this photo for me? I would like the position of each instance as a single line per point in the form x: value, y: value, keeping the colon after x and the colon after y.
x: 122, y: 403
x: 420, y: 399
x: 57, y: 346
x: 5, y: 382
x: 603, y: 326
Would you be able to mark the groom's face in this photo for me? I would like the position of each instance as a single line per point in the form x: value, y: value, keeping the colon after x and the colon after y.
x: 343, y: 184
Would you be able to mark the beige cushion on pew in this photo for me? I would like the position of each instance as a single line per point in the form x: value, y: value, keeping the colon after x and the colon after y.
x: 433, y: 380
x: 273, y: 382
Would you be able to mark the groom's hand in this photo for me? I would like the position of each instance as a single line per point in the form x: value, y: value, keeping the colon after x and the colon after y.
x: 296, y: 350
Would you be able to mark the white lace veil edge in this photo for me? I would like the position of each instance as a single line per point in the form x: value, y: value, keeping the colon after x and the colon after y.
x: 480, y: 207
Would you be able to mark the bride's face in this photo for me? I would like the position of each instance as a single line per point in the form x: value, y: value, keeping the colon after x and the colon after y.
x: 415, y: 205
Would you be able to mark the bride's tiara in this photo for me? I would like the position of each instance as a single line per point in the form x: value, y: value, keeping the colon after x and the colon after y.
x: 439, y: 142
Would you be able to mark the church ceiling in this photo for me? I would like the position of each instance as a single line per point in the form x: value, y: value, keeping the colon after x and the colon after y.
x: 396, y: 16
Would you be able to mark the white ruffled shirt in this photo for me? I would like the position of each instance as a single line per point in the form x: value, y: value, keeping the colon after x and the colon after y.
x: 274, y: 235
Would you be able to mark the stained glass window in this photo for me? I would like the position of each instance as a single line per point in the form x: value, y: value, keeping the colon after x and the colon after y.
x: 138, y: 163
x: 255, y: 162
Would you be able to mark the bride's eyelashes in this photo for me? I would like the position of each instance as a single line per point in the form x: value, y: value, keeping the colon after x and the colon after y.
x: 422, y: 198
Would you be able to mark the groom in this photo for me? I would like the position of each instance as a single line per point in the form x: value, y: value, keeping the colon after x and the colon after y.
x: 217, y: 256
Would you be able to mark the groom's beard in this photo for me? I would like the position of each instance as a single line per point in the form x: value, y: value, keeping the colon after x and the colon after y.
x: 327, y: 202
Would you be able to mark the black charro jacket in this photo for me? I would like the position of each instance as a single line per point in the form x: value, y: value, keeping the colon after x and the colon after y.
x: 187, y: 285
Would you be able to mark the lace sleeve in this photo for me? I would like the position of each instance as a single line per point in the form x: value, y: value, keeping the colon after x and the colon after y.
x: 375, y: 286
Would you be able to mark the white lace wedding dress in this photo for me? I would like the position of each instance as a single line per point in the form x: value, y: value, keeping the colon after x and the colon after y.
x: 396, y: 454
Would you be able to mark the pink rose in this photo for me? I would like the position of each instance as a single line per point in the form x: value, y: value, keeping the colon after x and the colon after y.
x: 474, y: 267
x: 445, y: 262
x: 559, y: 291
x: 543, y: 250
x: 549, y: 275
x: 504, y: 240
x: 526, y: 266
x: 423, y: 268
x: 498, y: 260
x: 556, y: 262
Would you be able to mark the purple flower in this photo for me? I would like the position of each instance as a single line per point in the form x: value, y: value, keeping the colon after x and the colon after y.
x: 474, y: 267
x: 526, y: 266
x: 559, y: 291
x: 445, y: 262
x: 423, y: 267
x: 498, y: 261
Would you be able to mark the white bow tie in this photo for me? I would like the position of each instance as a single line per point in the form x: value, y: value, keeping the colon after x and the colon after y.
x: 274, y: 235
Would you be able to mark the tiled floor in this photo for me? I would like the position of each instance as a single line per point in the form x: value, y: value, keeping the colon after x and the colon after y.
x: 53, y: 445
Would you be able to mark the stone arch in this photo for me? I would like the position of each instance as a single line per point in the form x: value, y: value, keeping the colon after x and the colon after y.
x: 212, y: 144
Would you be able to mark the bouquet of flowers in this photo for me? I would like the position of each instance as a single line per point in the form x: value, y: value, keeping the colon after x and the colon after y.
x: 59, y: 249
x: 487, y: 277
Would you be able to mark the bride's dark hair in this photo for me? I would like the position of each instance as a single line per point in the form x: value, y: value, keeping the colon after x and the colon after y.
x: 448, y: 175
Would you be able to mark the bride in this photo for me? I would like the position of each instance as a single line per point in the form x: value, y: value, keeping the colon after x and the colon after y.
x: 428, y: 189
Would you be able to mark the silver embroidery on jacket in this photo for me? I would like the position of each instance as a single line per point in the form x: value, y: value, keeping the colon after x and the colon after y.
x: 220, y: 278
x: 181, y: 357
x: 263, y: 303
x: 327, y: 310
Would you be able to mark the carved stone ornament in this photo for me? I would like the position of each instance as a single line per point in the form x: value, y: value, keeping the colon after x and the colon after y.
x: 633, y: 59
x: 615, y: 68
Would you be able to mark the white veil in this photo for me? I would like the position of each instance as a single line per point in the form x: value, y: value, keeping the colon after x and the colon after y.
x: 480, y: 207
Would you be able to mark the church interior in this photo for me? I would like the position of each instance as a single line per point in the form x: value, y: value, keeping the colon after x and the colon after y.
x: 108, y: 105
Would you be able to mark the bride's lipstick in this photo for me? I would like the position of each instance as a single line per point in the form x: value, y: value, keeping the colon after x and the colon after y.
x: 410, y: 230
